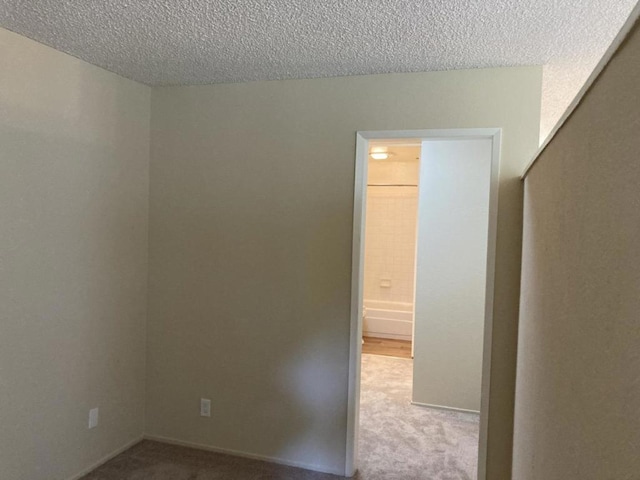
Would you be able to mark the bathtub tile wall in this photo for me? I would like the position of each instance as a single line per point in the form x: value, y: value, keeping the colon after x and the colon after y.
x: 390, y: 243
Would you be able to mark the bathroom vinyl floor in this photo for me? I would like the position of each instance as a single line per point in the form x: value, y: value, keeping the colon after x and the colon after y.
x: 388, y: 347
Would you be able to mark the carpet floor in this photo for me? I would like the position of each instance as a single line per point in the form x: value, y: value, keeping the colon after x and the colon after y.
x: 158, y: 461
x: 409, y: 442
x: 397, y: 441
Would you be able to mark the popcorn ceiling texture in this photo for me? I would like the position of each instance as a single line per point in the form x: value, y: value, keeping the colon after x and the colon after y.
x: 184, y: 42
x: 191, y: 42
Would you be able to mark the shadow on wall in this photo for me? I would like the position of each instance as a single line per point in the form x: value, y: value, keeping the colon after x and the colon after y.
x: 251, y: 307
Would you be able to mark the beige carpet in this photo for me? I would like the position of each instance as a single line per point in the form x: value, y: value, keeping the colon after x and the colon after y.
x: 408, y: 442
x: 398, y: 441
x: 158, y: 461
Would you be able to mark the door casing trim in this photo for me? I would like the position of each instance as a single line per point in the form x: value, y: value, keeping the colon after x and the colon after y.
x: 357, y: 274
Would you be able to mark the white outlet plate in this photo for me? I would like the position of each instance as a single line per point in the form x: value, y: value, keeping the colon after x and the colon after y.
x: 93, y: 418
x: 205, y: 407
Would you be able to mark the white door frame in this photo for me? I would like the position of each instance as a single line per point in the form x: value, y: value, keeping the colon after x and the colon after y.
x: 357, y: 274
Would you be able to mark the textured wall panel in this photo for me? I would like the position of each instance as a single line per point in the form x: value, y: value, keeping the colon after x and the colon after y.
x: 578, y: 380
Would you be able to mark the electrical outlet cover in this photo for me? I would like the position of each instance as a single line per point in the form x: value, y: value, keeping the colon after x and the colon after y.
x: 93, y: 418
x: 205, y: 407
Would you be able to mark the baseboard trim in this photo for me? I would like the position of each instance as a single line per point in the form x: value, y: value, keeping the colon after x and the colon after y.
x: 389, y: 336
x: 442, y: 407
x: 388, y: 356
x: 242, y: 454
x: 106, y: 458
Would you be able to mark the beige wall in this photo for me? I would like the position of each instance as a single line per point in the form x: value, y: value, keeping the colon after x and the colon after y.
x: 74, y: 149
x: 250, y: 252
x: 578, y: 358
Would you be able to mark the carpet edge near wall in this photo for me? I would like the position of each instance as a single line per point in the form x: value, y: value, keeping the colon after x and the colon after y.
x: 241, y: 454
x: 107, y: 457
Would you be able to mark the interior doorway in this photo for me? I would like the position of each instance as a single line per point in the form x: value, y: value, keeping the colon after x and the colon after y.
x: 454, y: 173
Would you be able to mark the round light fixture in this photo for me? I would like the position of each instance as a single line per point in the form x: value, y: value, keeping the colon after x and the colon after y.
x: 379, y: 155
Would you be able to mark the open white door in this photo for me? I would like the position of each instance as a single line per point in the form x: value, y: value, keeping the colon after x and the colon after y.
x: 451, y: 272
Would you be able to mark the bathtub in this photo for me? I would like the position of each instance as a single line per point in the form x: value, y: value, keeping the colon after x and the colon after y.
x: 384, y: 319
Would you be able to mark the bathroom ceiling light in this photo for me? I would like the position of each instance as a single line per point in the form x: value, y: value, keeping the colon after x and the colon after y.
x: 379, y: 155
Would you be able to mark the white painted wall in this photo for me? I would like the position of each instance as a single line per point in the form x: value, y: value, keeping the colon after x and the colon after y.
x: 252, y: 189
x: 74, y: 159
x: 402, y: 167
x: 451, y: 272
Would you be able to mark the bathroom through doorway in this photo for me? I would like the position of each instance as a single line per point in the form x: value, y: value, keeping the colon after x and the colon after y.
x: 422, y: 300
x: 390, y: 247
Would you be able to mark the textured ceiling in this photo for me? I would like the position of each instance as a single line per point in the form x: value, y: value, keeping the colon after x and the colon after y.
x: 175, y: 42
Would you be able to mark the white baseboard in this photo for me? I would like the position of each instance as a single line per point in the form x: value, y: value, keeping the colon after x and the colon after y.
x: 239, y: 453
x: 442, y: 407
x: 106, y: 458
x: 391, y: 325
x: 390, y: 336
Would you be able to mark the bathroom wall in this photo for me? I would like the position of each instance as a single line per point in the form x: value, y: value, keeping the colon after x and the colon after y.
x: 390, y: 244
